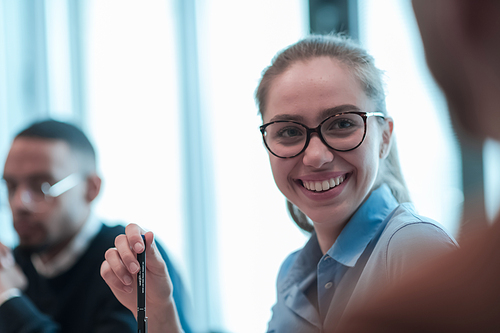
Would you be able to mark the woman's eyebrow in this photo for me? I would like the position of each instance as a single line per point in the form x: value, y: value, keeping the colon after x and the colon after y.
x: 290, y: 117
x: 322, y: 115
x: 337, y: 109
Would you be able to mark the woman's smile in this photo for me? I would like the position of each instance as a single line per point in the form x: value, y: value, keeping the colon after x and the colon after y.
x: 321, y: 188
x: 323, y: 185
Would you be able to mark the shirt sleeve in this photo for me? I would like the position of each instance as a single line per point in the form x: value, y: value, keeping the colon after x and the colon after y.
x: 415, y: 244
x: 180, y: 295
x: 8, y: 294
x: 18, y: 314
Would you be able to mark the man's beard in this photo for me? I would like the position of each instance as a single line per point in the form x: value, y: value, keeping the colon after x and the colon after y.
x: 32, y: 249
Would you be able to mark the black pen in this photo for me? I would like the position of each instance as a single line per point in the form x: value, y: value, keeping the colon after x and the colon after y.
x: 142, y: 320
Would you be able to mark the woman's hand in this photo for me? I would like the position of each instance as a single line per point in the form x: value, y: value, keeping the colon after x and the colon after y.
x: 120, y: 268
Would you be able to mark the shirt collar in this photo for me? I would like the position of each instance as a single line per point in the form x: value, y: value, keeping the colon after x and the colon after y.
x: 363, y: 226
x: 73, y: 251
x: 351, y: 242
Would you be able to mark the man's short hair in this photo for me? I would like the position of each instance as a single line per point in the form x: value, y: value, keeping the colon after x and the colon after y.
x: 56, y: 130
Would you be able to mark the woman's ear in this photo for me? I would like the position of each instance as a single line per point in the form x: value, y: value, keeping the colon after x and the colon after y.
x: 385, y: 145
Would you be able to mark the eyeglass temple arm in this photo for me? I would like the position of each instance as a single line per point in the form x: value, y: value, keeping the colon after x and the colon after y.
x: 376, y: 113
x: 62, y: 186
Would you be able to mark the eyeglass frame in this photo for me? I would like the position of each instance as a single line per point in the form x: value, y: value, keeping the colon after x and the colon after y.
x: 317, y: 129
x: 53, y: 191
x: 62, y: 186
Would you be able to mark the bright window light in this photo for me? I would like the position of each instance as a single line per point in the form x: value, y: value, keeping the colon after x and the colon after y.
x: 427, y: 147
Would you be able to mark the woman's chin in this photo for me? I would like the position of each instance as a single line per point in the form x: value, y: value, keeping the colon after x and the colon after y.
x: 326, y: 220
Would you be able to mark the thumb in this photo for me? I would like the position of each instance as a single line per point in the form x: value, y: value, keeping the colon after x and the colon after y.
x: 154, y: 260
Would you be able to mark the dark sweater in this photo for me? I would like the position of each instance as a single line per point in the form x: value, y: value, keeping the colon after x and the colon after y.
x: 77, y: 300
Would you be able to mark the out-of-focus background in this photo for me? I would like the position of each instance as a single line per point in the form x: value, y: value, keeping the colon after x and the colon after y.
x: 164, y: 89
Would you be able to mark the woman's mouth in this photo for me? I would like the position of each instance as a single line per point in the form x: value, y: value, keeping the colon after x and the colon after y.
x: 323, y: 185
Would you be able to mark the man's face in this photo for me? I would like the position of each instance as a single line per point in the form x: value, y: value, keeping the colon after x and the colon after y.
x: 46, y: 224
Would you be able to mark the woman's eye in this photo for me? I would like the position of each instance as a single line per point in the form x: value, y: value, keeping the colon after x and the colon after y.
x: 289, y: 132
x: 340, y: 124
x: 344, y: 124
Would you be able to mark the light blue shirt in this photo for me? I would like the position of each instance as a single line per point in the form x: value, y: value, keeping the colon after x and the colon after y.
x: 351, y: 243
x: 308, y: 280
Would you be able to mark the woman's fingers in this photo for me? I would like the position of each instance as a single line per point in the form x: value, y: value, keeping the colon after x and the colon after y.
x: 117, y: 269
x: 124, y: 293
x: 122, y: 263
x: 134, y: 232
x: 126, y: 254
x: 112, y: 279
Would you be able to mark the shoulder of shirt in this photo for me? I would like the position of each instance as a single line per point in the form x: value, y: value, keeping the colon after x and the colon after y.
x: 107, y: 233
x: 405, y: 215
x: 405, y: 219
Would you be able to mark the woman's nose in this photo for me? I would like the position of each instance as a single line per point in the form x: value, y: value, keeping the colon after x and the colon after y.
x: 317, y: 153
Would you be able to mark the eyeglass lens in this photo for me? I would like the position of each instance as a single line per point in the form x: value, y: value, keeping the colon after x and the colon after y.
x: 31, y: 191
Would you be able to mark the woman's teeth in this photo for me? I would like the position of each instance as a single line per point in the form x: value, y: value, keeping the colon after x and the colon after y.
x: 324, y: 185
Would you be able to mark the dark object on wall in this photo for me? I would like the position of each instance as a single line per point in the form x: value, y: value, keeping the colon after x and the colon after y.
x: 326, y: 16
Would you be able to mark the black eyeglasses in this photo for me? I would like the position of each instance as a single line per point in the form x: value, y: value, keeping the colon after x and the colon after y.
x: 341, y: 132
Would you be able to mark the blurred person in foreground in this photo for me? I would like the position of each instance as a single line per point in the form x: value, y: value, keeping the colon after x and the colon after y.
x: 459, y: 292
x: 50, y: 282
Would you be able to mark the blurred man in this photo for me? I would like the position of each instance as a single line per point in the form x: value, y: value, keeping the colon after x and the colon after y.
x: 51, y: 281
x: 459, y: 292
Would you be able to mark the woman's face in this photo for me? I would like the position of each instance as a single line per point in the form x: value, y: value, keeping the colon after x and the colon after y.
x: 309, y: 92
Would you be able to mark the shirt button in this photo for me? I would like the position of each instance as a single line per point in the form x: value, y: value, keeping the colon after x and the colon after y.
x: 328, y: 285
x: 326, y: 258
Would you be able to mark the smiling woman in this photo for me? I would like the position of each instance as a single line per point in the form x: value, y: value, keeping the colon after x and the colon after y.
x: 364, y: 234
x: 331, y: 152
